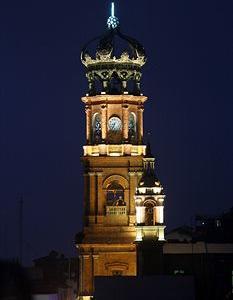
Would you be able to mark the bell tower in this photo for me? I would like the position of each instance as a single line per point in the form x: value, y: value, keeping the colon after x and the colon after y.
x: 113, y: 156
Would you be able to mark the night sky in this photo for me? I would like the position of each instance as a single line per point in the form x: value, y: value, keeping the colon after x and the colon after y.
x: 188, y: 79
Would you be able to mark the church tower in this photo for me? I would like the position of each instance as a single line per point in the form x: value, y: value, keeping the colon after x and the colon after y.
x: 115, y: 160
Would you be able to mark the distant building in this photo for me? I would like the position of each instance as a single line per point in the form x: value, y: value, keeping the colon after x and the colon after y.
x: 180, y: 234
x: 215, y: 228
x: 54, y: 277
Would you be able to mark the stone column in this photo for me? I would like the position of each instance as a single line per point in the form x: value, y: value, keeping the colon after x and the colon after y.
x: 92, y: 197
x: 124, y: 87
x: 95, y: 264
x: 161, y: 233
x: 104, y: 122
x: 158, y: 214
x: 100, y: 199
x: 86, y: 275
x: 140, y: 124
x: 125, y: 122
x: 86, y: 197
x: 140, y: 214
x: 80, y: 285
x: 127, y: 196
x: 88, y: 124
x: 132, y: 190
x: 139, y: 176
x: 91, y: 85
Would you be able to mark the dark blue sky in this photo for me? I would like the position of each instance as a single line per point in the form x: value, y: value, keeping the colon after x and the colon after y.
x: 188, y: 78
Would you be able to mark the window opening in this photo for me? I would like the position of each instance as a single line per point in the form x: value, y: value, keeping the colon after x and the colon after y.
x: 115, y: 195
x: 97, y: 129
x: 132, y: 128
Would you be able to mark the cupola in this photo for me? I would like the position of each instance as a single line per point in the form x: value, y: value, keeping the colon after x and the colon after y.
x: 113, y: 61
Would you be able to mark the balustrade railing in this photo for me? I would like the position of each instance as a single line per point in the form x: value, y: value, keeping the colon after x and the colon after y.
x: 116, y: 210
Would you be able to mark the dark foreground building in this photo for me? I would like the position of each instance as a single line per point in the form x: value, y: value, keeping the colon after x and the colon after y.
x: 194, y: 263
x: 146, y: 287
x: 205, y: 253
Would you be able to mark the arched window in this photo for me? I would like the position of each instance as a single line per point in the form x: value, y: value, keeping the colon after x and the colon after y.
x: 115, y: 194
x: 149, y: 214
x: 96, y: 128
x: 132, y: 128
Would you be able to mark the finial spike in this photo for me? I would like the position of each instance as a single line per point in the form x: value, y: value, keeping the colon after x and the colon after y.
x: 148, y: 146
x: 113, y: 10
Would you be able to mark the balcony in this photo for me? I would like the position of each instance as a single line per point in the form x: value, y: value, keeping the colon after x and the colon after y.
x: 116, y: 215
x: 116, y: 210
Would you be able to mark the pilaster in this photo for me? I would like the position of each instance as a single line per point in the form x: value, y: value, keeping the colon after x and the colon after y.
x: 140, y: 123
x: 86, y: 275
x: 104, y: 121
x: 88, y: 123
x: 132, y: 189
x: 125, y: 108
x: 100, y: 203
x: 92, y: 198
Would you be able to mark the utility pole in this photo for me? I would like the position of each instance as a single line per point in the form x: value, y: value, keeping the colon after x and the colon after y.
x: 20, y: 227
x: 3, y: 232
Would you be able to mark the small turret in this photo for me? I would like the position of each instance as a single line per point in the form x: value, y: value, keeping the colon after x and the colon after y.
x: 149, y: 198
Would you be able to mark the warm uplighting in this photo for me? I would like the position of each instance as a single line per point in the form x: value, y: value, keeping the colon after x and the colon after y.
x: 139, y: 235
x: 140, y: 214
x: 159, y: 214
x: 114, y: 150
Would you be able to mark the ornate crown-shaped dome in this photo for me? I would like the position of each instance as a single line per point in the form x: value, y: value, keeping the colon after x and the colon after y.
x: 113, y: 61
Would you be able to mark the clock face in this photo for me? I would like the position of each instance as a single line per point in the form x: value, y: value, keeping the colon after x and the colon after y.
x: 114, y: 124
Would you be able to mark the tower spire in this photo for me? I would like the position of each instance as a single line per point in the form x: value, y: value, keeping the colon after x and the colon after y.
x: 112, y: 21
x: 148, y: 146
x: 112, y: 9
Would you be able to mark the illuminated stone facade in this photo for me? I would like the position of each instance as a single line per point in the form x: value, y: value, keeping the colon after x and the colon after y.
x: 115, y: 161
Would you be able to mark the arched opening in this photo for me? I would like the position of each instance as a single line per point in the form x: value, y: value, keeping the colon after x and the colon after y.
x: 96, y: 128
x: 115, y: 195
x: 115, y: 87
x: 149, y: 213
x: 97, y: 84
x: 132, y: 128
x: 114, y: 130
x: 131, y: 86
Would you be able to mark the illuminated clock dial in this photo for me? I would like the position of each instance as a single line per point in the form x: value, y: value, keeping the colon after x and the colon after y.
x: 114, y: 124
